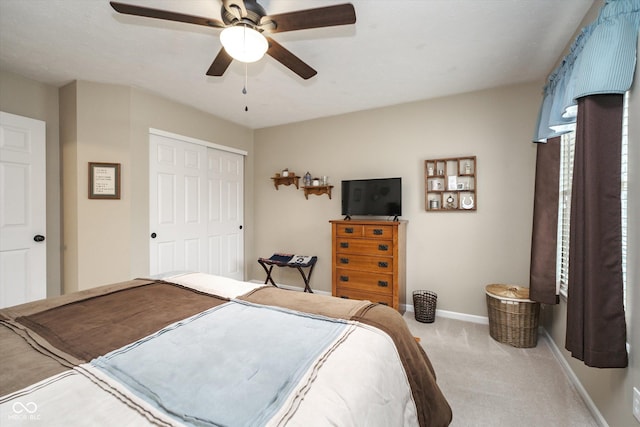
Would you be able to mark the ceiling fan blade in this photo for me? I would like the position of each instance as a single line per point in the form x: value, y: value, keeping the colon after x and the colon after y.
x: 329, y: 16
x: 220, y: 64
x: 289, y: 60
x: 148, y: 12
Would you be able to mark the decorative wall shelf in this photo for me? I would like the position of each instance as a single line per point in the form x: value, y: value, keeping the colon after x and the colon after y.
x: 317, y: 190
x: 286, y: 180
x: 450, y: 184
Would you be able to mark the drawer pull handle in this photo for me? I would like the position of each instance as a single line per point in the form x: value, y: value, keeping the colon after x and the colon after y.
x: 344, y: 278
x: 344, y: 245
x: 383, y: 264
x: 377, y: 231
x: 348, y: 230
x: 344, y: 260
x: 383, y: 247
x: 383, y: 283
x: 344, y: 297
x: 383, y: 303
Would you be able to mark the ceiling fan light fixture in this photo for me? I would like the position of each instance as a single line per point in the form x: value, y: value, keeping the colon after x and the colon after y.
x: 243, y: 43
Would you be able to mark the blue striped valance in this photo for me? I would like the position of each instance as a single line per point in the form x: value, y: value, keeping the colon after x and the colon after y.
x: 601, y: 60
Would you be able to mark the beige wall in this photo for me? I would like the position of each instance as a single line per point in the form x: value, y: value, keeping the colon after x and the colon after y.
x: 453, y: 254
x: 28, y: 98
x: 107, y: 241
x: 96, y: 232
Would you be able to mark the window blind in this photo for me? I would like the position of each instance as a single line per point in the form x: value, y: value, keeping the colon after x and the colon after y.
x: 567, y: 151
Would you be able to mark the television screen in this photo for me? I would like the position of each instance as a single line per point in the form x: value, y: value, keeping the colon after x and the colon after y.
x: 380, y: 197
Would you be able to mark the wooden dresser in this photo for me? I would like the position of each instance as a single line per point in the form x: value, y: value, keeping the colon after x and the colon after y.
x: 368, y: 261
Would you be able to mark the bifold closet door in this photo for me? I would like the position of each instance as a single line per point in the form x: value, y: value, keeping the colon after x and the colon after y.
x: 195, y: 208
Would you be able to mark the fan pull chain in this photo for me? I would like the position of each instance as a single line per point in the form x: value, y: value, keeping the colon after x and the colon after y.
x: 244, y: 89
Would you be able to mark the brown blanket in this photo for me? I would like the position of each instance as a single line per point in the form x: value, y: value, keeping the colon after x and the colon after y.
x: 76, y: 328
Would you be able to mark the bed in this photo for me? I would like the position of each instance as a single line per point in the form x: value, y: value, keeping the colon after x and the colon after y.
x: 203, y: 350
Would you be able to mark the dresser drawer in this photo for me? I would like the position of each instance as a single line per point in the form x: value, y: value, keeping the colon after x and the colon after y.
x: 364, y: 263
x: 368, y: 296
x: 368, y: 231
x: 364, y: 281
x: 349, y: 230
x: 378, y: 231
x: 365, y: 246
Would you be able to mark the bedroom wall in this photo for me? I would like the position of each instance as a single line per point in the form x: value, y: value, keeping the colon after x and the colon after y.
x: 454, y: 254
x: 107, y: 241
x: 28, y: 98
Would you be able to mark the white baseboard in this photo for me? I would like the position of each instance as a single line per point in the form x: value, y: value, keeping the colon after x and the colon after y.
x: 454, y: 315
x: 557, y: 353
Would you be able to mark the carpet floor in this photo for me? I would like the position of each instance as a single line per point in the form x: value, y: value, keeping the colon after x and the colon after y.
x: 491, y: 384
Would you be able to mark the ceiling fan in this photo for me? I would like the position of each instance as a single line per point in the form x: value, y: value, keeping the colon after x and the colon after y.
x: 249, y: 21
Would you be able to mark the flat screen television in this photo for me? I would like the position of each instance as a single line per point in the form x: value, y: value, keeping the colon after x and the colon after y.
x: 375, y: 197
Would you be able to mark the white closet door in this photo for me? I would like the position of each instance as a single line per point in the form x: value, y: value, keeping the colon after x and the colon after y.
x: 196, y: 200
x: 23, y: 251
x: 225, y: 214
x: 177, y: 189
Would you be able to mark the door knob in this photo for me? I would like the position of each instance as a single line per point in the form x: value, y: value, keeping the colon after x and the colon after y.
x: 154, y: 235
x: 240, y: 227
x: 38, y: 238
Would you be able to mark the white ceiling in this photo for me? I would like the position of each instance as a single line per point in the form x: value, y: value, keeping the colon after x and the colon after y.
x: 398, y: 51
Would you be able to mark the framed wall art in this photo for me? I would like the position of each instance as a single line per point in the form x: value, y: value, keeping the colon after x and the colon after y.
x: 104, y: 180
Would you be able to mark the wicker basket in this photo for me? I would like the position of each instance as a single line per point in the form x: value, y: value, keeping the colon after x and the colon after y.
x: 424, y: 305
x: 513, y: 317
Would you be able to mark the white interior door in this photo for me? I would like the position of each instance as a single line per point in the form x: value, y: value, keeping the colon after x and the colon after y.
x: 225, y: 213
x: 23, y: 254
x: 196, y: 201
x: 177, y: 188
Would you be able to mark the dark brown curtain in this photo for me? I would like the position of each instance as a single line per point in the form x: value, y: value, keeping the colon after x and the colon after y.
x: 596, y: 327
x: 544, y: 240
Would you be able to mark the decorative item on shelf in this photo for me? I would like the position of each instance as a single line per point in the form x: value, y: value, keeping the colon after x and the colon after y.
x: 434, y: 204
x: 467, y: 201
x: 325, y: 180
x: 430, y: 171
x: 441, y: 172
x: 452, y: 182
x: 307, y: 179
x: 315, y: 182
x: 450, y: 202
x: 467, y: 168
x: 285, y: 172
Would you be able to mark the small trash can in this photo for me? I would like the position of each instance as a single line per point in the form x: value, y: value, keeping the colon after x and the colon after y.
x: 513, y: 317
x: 424, y: 305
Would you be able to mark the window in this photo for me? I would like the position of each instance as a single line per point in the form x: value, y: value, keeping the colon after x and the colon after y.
x: 567, y: 149
x: 623, y: 192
